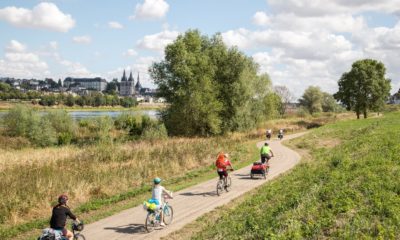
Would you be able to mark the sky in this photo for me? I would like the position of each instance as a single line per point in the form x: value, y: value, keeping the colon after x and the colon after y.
x: 299, y: 43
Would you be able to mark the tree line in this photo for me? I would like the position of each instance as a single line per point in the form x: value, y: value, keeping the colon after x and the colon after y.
x: 93, y: 99
x: 213, y: 89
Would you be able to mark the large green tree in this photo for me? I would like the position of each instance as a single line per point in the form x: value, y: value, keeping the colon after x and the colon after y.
x: 312, y: 99
x: 211, y: 88
x: 364, y: 88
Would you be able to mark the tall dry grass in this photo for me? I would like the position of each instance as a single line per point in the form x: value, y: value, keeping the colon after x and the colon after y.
x: 31, y: 179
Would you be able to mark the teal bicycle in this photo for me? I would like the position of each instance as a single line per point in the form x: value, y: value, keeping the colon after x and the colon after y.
x: 153, y: 219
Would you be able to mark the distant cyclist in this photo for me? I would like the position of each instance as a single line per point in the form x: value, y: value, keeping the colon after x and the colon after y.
x: 280, y: 133
x: 59, y: 216
x: 157, y: 196
x: 269, y: 134
x: 222, y: 163
x: 266, y: 153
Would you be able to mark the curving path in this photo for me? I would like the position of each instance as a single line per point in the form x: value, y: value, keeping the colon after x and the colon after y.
x: 191, y: 203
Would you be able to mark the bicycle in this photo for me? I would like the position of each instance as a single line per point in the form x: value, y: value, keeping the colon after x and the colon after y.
x: 153, y: 218
x: 221, y: 184
x: 52, y: 234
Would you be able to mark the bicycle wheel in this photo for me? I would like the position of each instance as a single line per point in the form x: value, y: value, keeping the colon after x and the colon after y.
x: 151, y: 222
x: 168, y: 214
x: 220, y: 187
x: 79, y: 236
x: 228, y: 183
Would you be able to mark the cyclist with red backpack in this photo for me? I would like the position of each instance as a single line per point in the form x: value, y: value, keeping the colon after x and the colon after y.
x: 222, y: 163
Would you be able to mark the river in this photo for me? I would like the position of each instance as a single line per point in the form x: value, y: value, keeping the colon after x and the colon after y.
x: 78, y: 115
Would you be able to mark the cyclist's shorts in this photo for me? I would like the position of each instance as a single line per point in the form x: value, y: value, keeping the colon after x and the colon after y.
x: 222, y: 174
x: 63, y: 231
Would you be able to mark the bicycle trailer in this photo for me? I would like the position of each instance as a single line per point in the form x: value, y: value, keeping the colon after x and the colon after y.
x: 259, y: 169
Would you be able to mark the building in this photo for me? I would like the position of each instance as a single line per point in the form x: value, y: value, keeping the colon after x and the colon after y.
x: 138, y: 86
x: 127, y: 86
x: 98, y: 84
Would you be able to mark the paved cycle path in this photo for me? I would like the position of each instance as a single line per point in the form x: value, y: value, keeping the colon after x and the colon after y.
x: 192, y: 202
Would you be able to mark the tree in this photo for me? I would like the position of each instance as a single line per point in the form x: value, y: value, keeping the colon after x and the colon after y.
x: 286, y: 97
x: 59, y: 83
x: 70, y: 100
x: 364, y: 88
x: 312, y: 99
x: 112, y: 87
x: 211, y: 88
x: 329, y: 103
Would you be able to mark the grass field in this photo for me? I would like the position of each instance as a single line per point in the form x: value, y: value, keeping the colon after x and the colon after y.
x: 348, y: 188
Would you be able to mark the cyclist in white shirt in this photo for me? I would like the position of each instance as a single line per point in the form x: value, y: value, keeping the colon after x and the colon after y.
x: 157, y: 196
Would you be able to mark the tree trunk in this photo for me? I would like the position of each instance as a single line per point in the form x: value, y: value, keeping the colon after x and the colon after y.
x: 365, y: 114
x: 358, y: 115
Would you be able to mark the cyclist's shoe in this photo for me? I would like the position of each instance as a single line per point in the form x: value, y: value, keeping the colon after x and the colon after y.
x: 162, y: 224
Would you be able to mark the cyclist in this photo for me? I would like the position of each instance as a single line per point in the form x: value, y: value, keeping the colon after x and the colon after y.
x: 268, y: 134
x: 222, y: 163
x: 280, y: 134
x: 157, y: 193
x: 59, y: 216
x: 266, y: 153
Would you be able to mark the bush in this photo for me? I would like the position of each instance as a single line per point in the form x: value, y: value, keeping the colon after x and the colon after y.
x: 62, y: 122
x: 18, y: 120
x: 155, y: 132
x: 302, y: 112
x: 42, y: 133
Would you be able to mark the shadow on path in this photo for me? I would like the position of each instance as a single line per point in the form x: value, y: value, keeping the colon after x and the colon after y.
x: 204, y: 194
x: 241, y: 175
x: 128, y: 229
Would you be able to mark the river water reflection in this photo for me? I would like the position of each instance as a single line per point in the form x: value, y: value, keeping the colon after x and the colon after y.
x: 78, y: 115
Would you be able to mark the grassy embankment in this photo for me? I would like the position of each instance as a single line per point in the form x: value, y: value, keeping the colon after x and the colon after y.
x: 347, y: 188
x: 104, y: 179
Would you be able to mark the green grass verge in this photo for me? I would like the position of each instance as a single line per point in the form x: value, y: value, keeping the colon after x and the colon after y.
x: 101, y: 208
x: 350, y: 189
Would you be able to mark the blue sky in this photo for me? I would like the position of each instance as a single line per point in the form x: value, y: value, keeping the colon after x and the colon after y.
x: 296, y: 42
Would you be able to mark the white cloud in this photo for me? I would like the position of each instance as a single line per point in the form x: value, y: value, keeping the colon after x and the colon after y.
x: 15, y: 46
x: 324, y: 7
x: 261, y: 19
x: 45, y: 15
x: 20, y: 63
x: 130, y: 53
x: 76, y: 69
x: 305, y: 43
x: 82, y: 39
x: 151, y: 9
x: 115, y: 25
x: 158, y: 41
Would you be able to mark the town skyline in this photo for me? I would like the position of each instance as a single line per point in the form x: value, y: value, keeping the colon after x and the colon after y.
x: 297, y: 43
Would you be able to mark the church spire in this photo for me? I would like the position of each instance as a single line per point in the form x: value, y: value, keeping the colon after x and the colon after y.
x: 123, y: 79
x: 130, y: 78
x: 138, y: 86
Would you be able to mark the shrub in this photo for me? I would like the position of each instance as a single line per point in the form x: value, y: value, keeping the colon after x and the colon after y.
x: 63, y: 124
x: 302, y: 112
x: 42, y: 133
x: 18, y: 121
x: 155, y: 132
